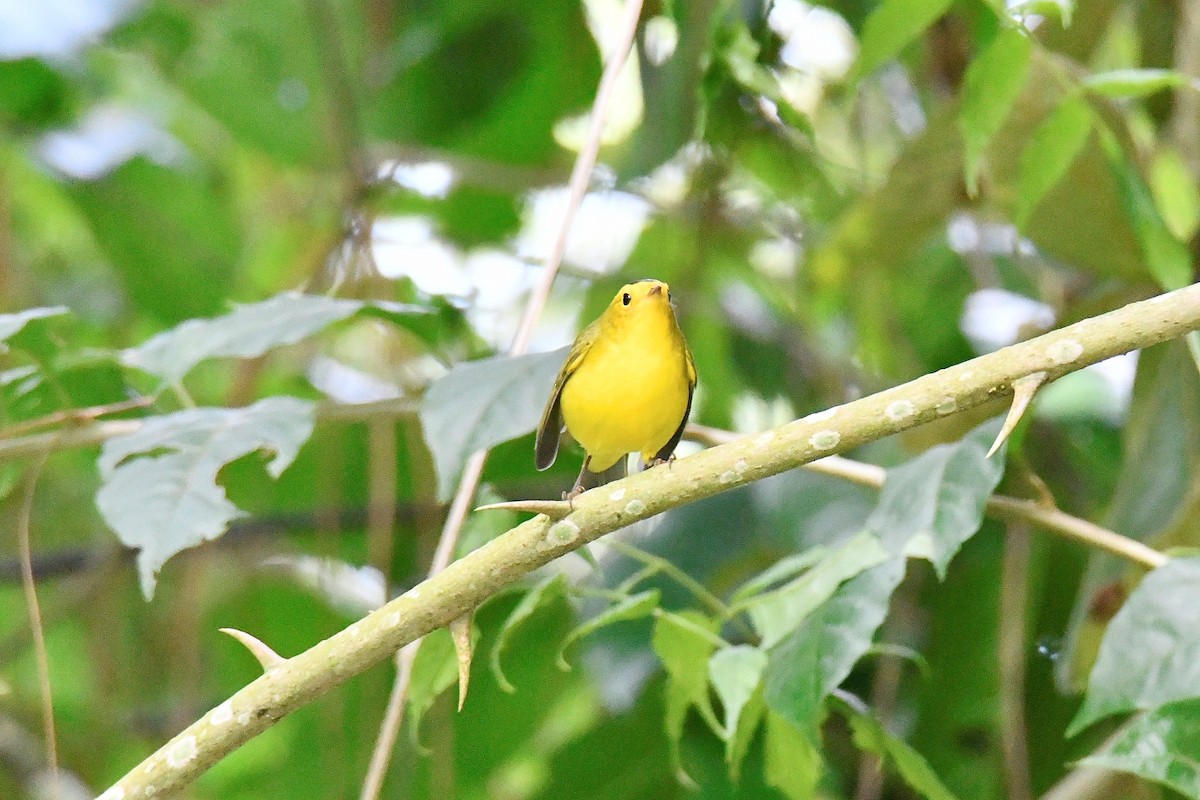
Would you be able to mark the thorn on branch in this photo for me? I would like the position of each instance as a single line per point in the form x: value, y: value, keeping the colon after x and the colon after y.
x: 554, y: 509
x: 1023, y: 391
x: 265, y: 655
x: 464, y: 650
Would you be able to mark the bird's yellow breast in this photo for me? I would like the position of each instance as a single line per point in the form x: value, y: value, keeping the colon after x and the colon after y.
x: 630, y: 394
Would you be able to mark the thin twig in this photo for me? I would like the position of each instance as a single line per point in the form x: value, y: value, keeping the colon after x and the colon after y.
x: 473, y: 470
x: 673, y: 572
x: 35, y: 621
x: 1000, y: 506
x: 1012, y: 630
x: 74, y: 415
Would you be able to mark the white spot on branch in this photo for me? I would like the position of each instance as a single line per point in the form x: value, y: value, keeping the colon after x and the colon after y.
x: 563, y: 532
x: 1064, y: 351
x: 825, y: 440
x: 181, y: 752
x: 222, y: 714
x: 900, y: 410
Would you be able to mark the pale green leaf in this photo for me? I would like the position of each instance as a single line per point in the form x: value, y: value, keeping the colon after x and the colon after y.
x: 793, y: 761
x: 1134, y: 82
x: 870, y: 736
x: 815, y: 658
x: 1050, y: 152
x: 434, y: 670
x: 892, y: 27
x: 735, y: 673
x: 547, y: 590
x: 1150, y: 655
x: 781, y: 570
x: 482, y: 403
x: 681, y: 643
x: 990, y: 89
x: 1161, y: 746
x: 159, y: 489
x: 635, y: 606
x: 777, y: 613
x: 1063, y: 9
x: 11, y: 324
x: 246, y: 332
x: 1175, y: 193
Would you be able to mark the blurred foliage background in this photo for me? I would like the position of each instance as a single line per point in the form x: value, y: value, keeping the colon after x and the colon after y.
x: 842, y: 197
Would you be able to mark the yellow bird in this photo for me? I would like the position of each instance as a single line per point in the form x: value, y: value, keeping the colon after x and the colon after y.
x: 626, y: 387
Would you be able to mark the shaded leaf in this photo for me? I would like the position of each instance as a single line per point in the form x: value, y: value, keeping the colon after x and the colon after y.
x: 1150, y: 655
x: 871, y: 737
x: 990, y: 89
x: 547, y: 590
x: 483, y: 403
x: 939, y: 496
x: 1050, y: 152
x: 681, y: 644
x: 247, y: 331
x: 1063, y: 9
x: 735, y: 673
x: 1134, y: 82
x: 1160, y: 746
x: 635, y: 606
x: 816, y: 657
x: 793, y: 761
x: 434, y: 670
x: 11, y: 324
x: 777, y: 613
x: 159, y: 489
x: 891, y: 27
x: 781, y: 570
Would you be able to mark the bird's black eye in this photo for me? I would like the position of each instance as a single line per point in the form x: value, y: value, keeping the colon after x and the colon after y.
x: 625, y: 298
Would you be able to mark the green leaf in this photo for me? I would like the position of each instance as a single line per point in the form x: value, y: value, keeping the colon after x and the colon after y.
x: 635, y: 606
x: 735, y: 673
x: 1050, y: 152
x: 246, y: 332
x: 871, y: 737
x: 435, y: 669
x: 1150, y: 654
x: 793, y: 761
x: 1175, y: 194
x: 1134, y: 82
x: 11, y: 324
x: 1168, y: 259
x: 1063, y: 9
x: 938, y: 497
x: 681, y: 643
x: 482, y: 403
x: 777, y: 614
x: 781, y: 570
x: 890, y: 28
x: 815, y: 658
x: 159, y: 489
x: 990, y: 89
x: 1160, y: 746
x: 547, y: 590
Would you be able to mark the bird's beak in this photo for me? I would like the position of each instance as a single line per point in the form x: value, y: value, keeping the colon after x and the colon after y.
x: 655, y: 289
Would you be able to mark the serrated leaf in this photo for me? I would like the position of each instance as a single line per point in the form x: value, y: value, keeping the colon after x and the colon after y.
x: 816, y: 657
x: 681, y: 643
x: 11, y: 324
x: 871, y: 737
x: 1150, y: 655
x: 434, y: 670
x: 635, y: 606
x: 159, y: 489
x: 735, y: 673
x: 780, y: 571
x: 246, y: 332
x: 777, y: 613
x: 892, y: 27
x: 482, y: 403
x: 939, y: 495
x: 548, y: 589
x: 1050, y: 152
x: 792, y: 759
x: 990, y: 89
x: 1160, y: 746
x: 1134, y: 82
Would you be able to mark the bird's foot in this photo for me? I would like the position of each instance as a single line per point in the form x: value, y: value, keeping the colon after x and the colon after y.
x: 571, y: 495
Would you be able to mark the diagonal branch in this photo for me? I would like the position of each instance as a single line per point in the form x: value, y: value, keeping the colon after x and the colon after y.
x: 473, y: 579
